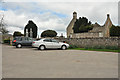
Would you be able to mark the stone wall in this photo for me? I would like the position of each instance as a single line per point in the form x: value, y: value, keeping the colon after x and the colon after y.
x: 91, y: 42
x: 84, y: 35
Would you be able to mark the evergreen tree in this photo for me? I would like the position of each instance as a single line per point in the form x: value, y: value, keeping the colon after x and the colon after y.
x: 82, y: 25
x: 17, y: 33
x: 49, y: 33
x: 76, y: 26
x: 115, y: 30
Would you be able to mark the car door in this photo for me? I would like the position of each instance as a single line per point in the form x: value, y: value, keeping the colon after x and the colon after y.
x: 48, y: 43
x: 30, y: 40
x: 55, y: 43
x: 25, y: 41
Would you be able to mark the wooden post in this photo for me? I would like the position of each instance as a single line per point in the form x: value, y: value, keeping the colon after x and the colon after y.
x: 11, y: 39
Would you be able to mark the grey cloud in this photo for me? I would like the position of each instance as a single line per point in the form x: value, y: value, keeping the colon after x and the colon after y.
x: 61, y: 0
x: 119, y: 13
x: 94, y: 11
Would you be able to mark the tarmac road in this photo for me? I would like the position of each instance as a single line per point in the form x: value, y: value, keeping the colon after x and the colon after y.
x: 33, y: 63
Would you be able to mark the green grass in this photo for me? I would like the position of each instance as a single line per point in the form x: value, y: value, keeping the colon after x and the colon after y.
x: 97, y: 48
x: 105, y: 50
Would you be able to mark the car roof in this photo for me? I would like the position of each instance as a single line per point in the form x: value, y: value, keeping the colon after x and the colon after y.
x: 46, y: 38
x: 21, y: 37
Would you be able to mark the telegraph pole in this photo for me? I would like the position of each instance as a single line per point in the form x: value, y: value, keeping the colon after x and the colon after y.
x: 1, y: 27
x: 2, y: 17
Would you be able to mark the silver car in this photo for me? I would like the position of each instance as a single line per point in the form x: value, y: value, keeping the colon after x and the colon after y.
x: 46, y: 43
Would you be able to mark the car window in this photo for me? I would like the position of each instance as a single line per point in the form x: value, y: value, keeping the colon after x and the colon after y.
x: 47, y: 40
x: 18, y: 39
x: 30, y: 39
x: 25, y: 39
x: 53, y: 40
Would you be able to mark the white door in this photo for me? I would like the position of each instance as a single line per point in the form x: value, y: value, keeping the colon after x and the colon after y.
x: 56, y: 44
x: 48, y: 43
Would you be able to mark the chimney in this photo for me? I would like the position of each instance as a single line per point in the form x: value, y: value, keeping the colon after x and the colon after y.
x: 75, y: 15
x: 108, y: 15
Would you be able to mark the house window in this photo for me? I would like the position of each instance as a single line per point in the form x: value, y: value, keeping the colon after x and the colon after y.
x: 70, y: 35
x: 100, y: 34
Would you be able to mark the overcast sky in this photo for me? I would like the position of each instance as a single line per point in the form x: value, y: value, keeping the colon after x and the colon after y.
x: 55, y: 14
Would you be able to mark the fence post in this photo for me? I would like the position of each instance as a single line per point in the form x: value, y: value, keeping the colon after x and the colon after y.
x: 11, y: 39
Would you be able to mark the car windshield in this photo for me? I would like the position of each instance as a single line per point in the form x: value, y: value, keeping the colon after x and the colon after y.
x: 18, y: 38
x: 39, y: 39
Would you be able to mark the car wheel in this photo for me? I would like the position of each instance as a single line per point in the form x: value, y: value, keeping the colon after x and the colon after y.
x: 18, y: 46
x: 63, y: 47
x: 42, y: 47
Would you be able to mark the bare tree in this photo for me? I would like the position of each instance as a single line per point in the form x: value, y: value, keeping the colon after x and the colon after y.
x: 3, y: 30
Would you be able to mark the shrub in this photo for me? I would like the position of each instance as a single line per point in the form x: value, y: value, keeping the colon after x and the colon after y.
x: 73, y: 46
x: 6, y: 41
x: 103, y: 47
x: 98, y: 47
x: 112, y: 47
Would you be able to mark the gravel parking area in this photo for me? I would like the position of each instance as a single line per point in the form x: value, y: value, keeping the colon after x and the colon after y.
x: 33, y: 63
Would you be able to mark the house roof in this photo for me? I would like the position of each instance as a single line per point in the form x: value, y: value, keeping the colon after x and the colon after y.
x: 97, y: 28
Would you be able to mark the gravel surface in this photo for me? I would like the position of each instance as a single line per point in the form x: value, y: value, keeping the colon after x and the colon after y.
x: 33, y: 63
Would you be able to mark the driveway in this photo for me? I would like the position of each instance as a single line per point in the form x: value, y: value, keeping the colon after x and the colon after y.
x: 33, y: 63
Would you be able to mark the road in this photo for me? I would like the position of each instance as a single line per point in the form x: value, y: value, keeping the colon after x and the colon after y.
x: 33, y: 63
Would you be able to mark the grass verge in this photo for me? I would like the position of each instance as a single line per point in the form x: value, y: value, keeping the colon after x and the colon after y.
x: 105, y: 50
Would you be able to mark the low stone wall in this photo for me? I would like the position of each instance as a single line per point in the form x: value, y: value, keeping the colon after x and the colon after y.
x: 92, y: 42
x: 84, y: 35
